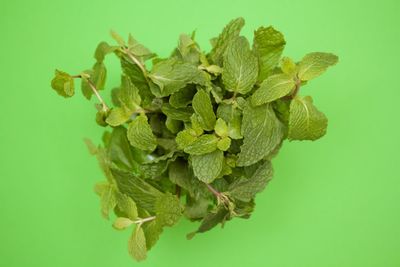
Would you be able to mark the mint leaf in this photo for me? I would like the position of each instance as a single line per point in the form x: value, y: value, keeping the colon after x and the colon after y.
x: 203, y: 107
x: 273, y: 88
x: 171, y: 75
x: 183, y: 97
x: 121, y: 223
x: 204, y: 144
x: 306, y: 122
x: 314, y: 64
x: 179, y: 114
x: 207, y: 167
x: 288, y: 66
x: 97, y: 75
x: 224, y: 144
x: 229, y: 33
x: 268, y: 45
x: 102, y: 50
x: 240, y: 67
x: 185, y: 138
x: 233, y: 116
x: 140, y: 134
x: 63, y: 84
x: 137, y: 244
x: 221, y: 128
x: 245, y: 189
x: 108, y: 200
x: 168, y: 210
x: 211, y: 220
x: 127, y: 206
x: 262, y: 132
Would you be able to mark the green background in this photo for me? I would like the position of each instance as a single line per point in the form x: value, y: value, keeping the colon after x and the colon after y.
x: 334, y: 202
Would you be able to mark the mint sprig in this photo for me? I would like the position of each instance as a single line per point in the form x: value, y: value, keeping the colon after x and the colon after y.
x: 194, y: 135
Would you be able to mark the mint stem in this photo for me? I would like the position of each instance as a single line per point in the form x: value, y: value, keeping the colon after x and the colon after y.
x: 220, y: 196
x: 141, y: 221
x: 93, y: 87
x: 136, y: 61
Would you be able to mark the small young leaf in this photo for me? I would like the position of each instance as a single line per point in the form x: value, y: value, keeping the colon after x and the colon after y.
x: 63, y: 84
x: 221, y: 128
x: 224, y: 144
x: 122, y: 223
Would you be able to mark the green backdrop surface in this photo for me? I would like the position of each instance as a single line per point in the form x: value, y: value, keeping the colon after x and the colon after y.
x: 334, y: 202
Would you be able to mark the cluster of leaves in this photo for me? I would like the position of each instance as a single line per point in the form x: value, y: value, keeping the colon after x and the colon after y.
x: 195, y: 135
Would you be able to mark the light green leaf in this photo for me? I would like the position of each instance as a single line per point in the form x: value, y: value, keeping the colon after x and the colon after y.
x: 127, y: 206
x: 245, y: 189
x: 196, y: 124
x: 262, y: 132
x: 137, y: 244
x: 102, y: 50
x: 97, y: 75
x: 306, y: 122
x: 118, y: 116
x: 185, y: 138
x: 229, y: 33
x: 204, y: 144
x: 173, y: 125
x: 140, y: 134
x: 240, y: 67
x: 268, y: 45
x: 63, y: 84
x: 118, y: 38
x: 92, y: 148
x: 152, y: 231
x: 208, y: 166
x: 224, y: 144
x: 122, y: 223
x: 221, y: 128
x: 233, y: 116
x: 203, y: 107
x: 288, y: 66
x: 171, y: 75
x: 273, y: 88
x: 108, y: 200
x: 168, y: 210
x: 314, y: 64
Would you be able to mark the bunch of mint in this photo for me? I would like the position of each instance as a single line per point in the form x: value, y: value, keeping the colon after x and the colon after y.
x: 195, y: 135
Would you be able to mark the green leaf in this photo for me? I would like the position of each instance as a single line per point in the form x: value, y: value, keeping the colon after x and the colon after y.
x: 183, y: 97
x: 233, y: 116
x: 211, y: 220
x: 171, y: 75
x: 118, y: 38
x: 224, y: 144
x: 268, y: 45
x: 173, y: 125
x: 208, y: 166
x: 122, y: 223
x: 221, y: 128
x: 245, y: 189
x: 273, y: 88
x: 154, y: 169
x: 204, y: 144
x: 314, y: 64
x: 137, y: 244
x: 229, y: 33
x: 118, y: 116
x: 185, y: 138
x: 138, y: 50
x: 168, y: 210
x: 262, y: 132
x: 179, y: 114
x: 180, y: 174
x: 63, y: 84
x: 121, y: 154
x: 97, y: 75
x: 240, y: 67
x: 140, y: 134
x: 108, y: 200
x: 306, y: 122
x: 127, y: 206
x: 152, y: 231
x: 141, y: 192
x: 203, y: 107
x: 102, y: 50
x: 288, y: 66
x: 188, y: 50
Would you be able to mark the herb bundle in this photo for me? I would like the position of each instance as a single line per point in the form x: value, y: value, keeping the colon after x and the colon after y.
x: 195, y: 135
